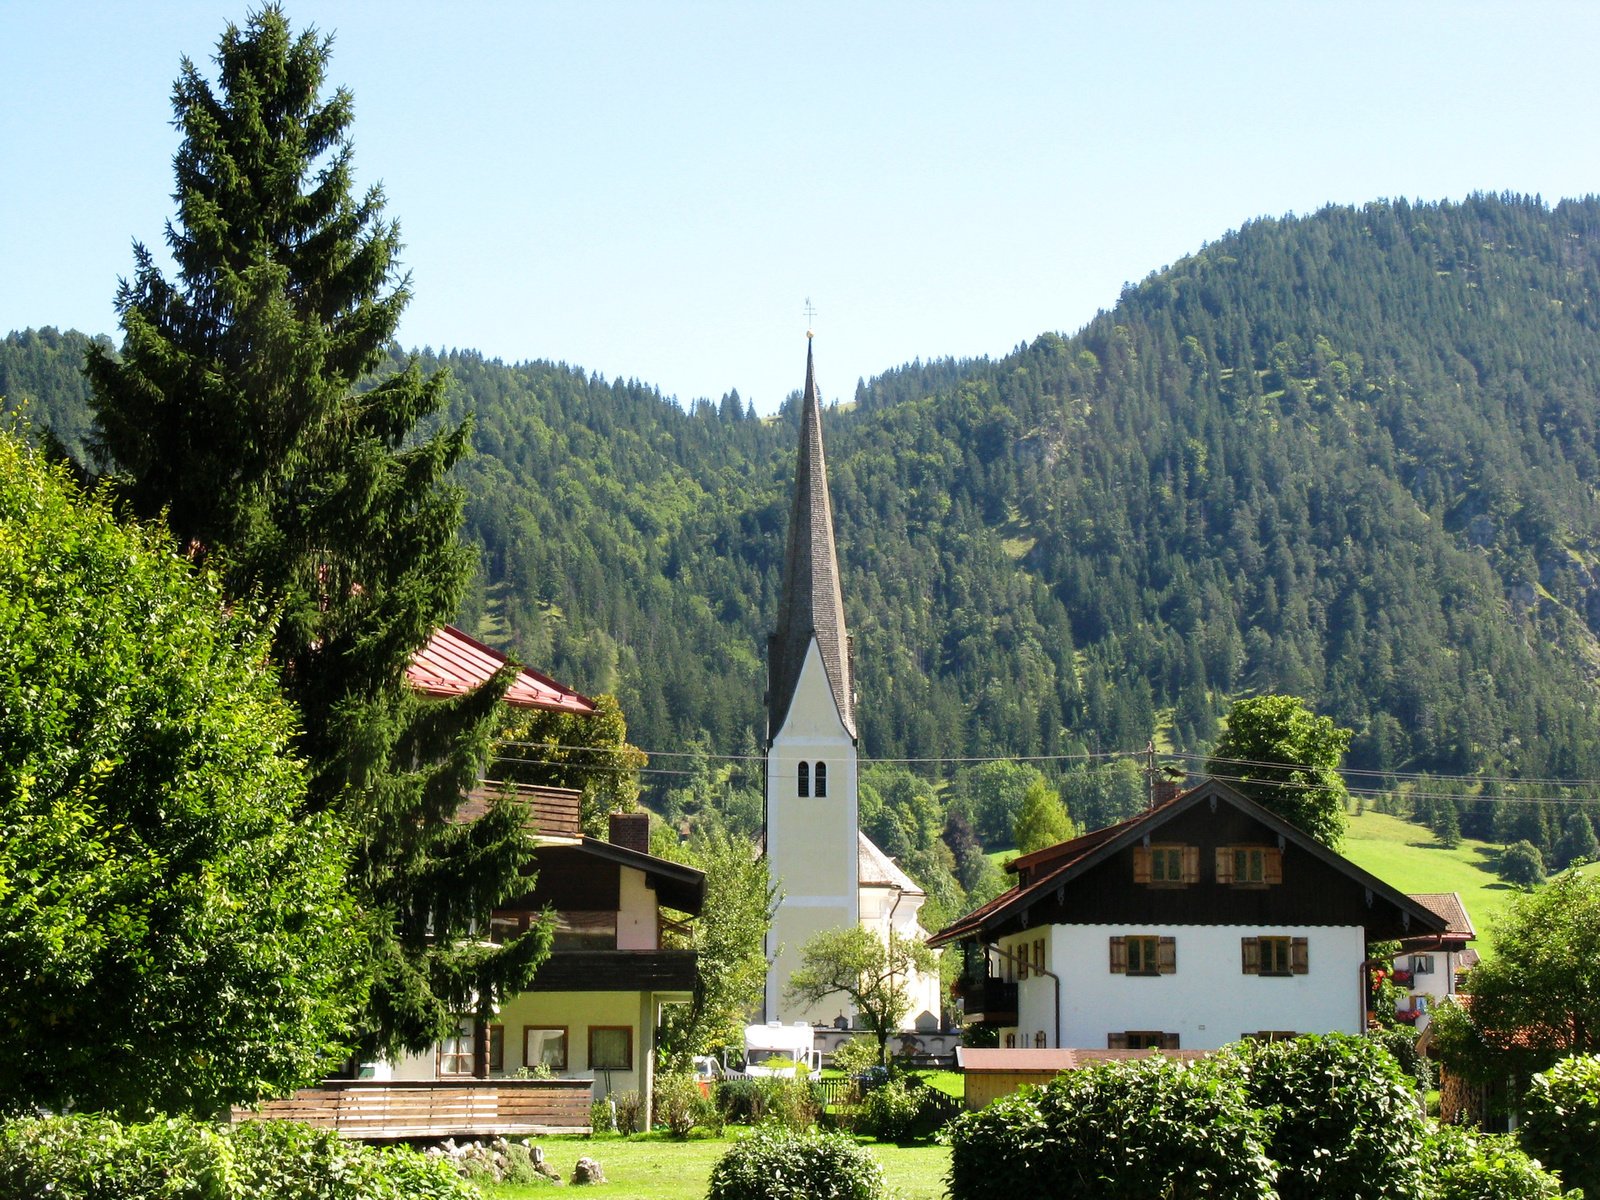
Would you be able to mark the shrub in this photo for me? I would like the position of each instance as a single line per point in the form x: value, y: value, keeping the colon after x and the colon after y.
x: 1118, y: 1131
x: 676, y: 1095
x: 630, y: 1112
x: 792, y: 1103
x: 1401, y: 1042
x: 603, y: 1115
x: 856, y: 1055
x: 1342, y: 1119
x: 1469, y: 1166
x: 901, y: 1111
x: 779, y: 1164
x: 1561, y: 1126
x: 97, y: 1158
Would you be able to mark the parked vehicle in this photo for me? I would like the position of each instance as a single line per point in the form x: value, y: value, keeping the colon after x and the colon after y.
x: 775, y: 1051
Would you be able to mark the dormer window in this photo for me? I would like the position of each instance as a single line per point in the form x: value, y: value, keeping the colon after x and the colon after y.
x: 822, y: 781
x: 805, y: 780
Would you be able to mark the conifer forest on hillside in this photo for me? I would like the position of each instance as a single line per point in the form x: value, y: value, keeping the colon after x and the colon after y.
x: 1352, y: 456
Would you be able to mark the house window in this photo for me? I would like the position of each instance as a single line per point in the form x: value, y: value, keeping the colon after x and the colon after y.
x: 610, y: 1048
x: 1270, y: 1035
x: 1038, y: 1040
x: 1272, y: 955
x: 1166, y: 866
x: 822, y: 781
x: 585, y: 930
x: 455, y: 1050
x: 497, y: 1049
x: 1144, y: 954
x: 1422, y: 964
x: 805, y: 780
x: 544, y: 1046
x: 1249, y: 866
x: 1141, y: 1039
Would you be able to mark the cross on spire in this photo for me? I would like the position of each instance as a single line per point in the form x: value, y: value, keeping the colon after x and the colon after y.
x: 809, y: 312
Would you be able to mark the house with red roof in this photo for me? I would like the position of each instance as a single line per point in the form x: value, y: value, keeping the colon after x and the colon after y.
x: 1203, y: 920
x: 593, y: 1007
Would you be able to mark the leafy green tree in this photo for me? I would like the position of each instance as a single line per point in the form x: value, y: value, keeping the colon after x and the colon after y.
x: 1522, y: 865
x: 237, y: 409
x: 730, y: 938
x: 1286, y: 759
x: 990, y: 797
x: 589, y: 754
x: 1537, y: 998
x: 1042, y: 820
x: 1578, y: 843
x: 172, y: 936
x: 869, y: 971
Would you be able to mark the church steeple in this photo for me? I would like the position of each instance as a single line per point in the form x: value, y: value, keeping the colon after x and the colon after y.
x: 812, y: 604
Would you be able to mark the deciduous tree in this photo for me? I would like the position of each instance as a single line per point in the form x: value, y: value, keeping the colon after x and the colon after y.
x: 1286, y: 759
x: 869, y: 971
x: 173, y: 937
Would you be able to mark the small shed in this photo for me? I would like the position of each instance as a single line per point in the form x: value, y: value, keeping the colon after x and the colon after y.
x: 992, y: 1073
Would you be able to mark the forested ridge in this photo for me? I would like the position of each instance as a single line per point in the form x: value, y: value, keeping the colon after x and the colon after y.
x: 1351, y: 456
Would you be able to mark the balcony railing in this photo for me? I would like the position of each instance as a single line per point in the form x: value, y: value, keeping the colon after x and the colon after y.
x: 989, y: 1000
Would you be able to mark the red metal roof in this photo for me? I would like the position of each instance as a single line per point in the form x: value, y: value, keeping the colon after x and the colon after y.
x: 453, y: 664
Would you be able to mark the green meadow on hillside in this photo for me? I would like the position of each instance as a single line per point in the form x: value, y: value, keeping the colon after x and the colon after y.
x: 1406, y: 856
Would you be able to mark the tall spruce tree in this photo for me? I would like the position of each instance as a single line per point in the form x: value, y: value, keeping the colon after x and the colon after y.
x: 238, y: 408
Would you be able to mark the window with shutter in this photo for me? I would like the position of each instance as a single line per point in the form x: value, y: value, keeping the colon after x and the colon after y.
x: 1144, y: 1039
x: 1144, y: 954
x: 1116, y: 1041
x: 1249, y: 866
x: 1275, y: 955
x: 1141, y: 864
x: 1224, y: 864
x: 1119, y: 956
x: 1300, y: 956
x: 1250, y: 955
x: 1167, y: 956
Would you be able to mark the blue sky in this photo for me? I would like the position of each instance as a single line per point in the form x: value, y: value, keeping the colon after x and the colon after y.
x: 653, y: 190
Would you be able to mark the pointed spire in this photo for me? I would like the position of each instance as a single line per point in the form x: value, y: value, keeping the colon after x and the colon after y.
x: 812, y: 604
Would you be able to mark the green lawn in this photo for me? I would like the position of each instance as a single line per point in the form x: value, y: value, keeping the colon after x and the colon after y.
x: 659, y: 1168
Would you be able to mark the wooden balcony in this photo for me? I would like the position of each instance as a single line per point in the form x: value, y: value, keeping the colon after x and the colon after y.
x: 372, y: 1110
x: 988, y: 1001
x: 616, y: 971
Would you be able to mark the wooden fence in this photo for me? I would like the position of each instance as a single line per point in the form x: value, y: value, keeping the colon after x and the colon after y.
x: 373, y: 1110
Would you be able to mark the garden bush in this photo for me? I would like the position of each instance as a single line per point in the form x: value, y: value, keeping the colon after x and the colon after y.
x: 855, y: 1055
x: 1342, y: 1118
x: 792, y: 1103
x: 903, y: 1110
x: 1118, y: 1131
x: 780, y: 1164
x: 97, y: 1158
x: 676, y: 1102
x: 1561, y: 1122
x: 1464, y: 1165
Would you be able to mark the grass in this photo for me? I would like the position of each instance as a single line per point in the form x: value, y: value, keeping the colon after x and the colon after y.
x: 656, y: 1167
x: 1406, y: 855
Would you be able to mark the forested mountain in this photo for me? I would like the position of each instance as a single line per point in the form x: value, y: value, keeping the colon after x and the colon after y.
x: 1352, y: 456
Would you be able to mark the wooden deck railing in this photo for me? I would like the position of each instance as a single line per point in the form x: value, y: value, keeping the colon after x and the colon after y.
x: 374, y: 1110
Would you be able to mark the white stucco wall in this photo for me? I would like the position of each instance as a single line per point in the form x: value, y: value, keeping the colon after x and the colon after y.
x: 1208, y: 1001
x: 811, y: 842
x: 636, y: 913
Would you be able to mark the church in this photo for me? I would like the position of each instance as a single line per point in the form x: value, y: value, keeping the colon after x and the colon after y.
x: 828, y: 872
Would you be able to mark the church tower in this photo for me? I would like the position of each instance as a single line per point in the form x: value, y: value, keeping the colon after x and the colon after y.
x: 811, y: 805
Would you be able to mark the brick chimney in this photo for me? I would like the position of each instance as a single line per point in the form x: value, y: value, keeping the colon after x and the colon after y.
x: 631, y: 831
x: 1162, y: 789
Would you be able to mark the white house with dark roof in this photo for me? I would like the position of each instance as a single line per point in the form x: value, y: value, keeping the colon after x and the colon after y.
x: 829, y: 873
x: 1201, y: 921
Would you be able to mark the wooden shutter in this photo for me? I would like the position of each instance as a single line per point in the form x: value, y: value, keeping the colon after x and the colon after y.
x: 1191, y: 864
x: 1250, y: 955
x: 1167, y: 956
x: 1299, y: 955
x: 1021, y: 952
x: 1224, y: 864
x: 1116, y: 1041
x: 1272, y: 866
x: 1169, y: 1041
x: 1038, y: 956
x: 1141, y: 864
x: 1119, y: 956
